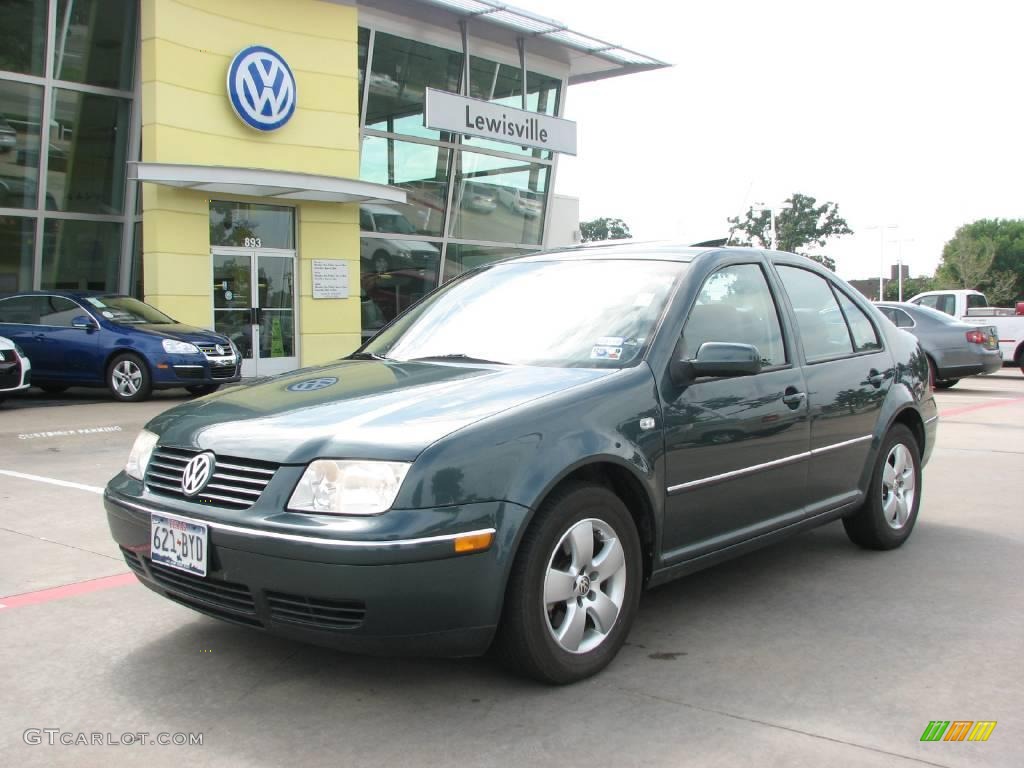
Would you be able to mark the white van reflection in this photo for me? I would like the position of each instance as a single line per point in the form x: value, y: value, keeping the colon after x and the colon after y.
x: 527, y: 204
x: 383, y: 254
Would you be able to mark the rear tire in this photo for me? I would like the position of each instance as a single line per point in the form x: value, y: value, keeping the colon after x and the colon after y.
x: 203, y: 389
x: 945, y: 383
x: 574, y: 588
x: 128, y: 378
x: 888, y: 515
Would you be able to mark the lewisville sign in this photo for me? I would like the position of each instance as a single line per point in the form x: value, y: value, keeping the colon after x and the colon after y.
x: 475, y: 117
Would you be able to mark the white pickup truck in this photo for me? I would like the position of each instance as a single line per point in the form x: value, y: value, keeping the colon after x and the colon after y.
x: 972, y: 307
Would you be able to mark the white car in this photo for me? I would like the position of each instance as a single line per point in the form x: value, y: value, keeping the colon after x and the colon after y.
x: 15, y: 369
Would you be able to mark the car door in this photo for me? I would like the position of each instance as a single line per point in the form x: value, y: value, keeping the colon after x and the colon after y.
x: 67, y: 354
x: 736, y: 448
x: 848, y: 374
x: 19, y: 322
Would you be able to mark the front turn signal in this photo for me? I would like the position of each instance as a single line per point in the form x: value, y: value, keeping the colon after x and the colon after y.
x: 473, y: 542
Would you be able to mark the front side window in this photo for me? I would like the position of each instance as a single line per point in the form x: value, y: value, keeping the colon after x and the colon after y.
x: 823, y: 329
x: 735, y: 305
x: 585, y: 314
x: 58, y: 312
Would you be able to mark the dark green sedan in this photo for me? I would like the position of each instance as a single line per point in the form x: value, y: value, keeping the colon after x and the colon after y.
x: 514, y: 459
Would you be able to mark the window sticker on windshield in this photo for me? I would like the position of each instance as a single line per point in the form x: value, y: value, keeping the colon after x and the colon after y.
x: 96, y: 302
x: 643, y: 300
x: 602, y: 352
x: 609, y: 341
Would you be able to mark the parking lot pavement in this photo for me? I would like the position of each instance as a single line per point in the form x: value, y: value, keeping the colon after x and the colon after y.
x: 808, y: 653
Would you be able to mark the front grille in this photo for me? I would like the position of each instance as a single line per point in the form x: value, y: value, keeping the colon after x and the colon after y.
x: 315, y: 612
x: 220, y: 372
x: 223, y: 365
x: 134, y: 561
x: 221, y: 595
x: 235, y: 484
x: 188, y: 372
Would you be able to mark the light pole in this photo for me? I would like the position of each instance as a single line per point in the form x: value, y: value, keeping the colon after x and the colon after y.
x: 881, y: 255
x: 771, y: 219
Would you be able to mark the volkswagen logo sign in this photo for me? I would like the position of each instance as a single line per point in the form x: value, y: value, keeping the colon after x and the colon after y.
x: 197, y: 474
x: 261, y: 88
x: 312, y: 385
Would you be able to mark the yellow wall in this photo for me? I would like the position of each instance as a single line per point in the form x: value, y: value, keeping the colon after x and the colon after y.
x: 187, y: 46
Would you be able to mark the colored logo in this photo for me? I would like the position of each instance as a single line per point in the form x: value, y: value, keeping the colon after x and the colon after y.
x: 958, y: 730
x: 261, y: 88
x: 312, y: 385
x: 197, y: 474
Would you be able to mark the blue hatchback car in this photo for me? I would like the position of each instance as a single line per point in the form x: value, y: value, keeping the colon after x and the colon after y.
x: 88, y: 339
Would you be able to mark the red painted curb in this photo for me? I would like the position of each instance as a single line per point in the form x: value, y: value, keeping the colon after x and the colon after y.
x: 68, y: 590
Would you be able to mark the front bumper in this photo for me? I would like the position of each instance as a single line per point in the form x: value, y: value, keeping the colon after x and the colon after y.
x: 195, y: 370
x: 404, y: 594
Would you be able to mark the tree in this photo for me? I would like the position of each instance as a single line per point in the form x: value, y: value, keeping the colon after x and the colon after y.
x: 604, y: 229
x: 911, y: 287
x: 1003, y: 280
x: 803, y: 225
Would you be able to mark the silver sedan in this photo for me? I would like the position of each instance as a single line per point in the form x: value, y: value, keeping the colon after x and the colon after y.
x: 954, y: 349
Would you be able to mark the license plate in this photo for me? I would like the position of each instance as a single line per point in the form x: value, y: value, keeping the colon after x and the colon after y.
x: 178, y: 543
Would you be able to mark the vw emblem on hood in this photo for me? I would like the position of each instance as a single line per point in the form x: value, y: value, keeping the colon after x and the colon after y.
x: 261, y: 88
x: 312, y: 385
x: 197, y: 474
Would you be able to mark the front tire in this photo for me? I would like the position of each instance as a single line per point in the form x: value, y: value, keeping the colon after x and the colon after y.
x: 128, y: 378
x: 894, y: 496
x: 574, y: 588
x: 945, y: 383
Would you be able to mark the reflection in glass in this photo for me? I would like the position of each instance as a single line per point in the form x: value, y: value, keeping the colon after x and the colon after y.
x: 498, y: 199
x: 400, y: 73
x: 95, y: 42
x: 387, y: 292
x: 364, y: 49
x: 23, y: 36
x: 17, y: 245
x: 241, y: 224
x: 232, y: 281
x: 234, y: 323
x: 137, y: 281
x: 462, y: 258
x: 88, y: 150
x: 277, y: 333
x: 81, y: 255
x: 21, y: 109
x: 421, y: 170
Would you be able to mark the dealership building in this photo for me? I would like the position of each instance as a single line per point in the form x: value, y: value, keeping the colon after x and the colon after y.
x: 292, y: 173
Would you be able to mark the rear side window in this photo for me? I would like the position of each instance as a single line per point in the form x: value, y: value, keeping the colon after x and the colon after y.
x: 944, y: 302
x: 735, y: 305
x: 865, y: 337
x: 823, y: 328
x: 20, y: 310
x: 898, y: 316
x: 974, y: 301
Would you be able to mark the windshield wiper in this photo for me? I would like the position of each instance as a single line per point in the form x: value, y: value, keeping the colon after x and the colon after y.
x: 366, y: 356
x: 458, y: 356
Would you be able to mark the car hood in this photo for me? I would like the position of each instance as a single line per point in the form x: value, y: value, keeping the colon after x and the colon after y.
x: 357, y: 409
x: 180, y: 332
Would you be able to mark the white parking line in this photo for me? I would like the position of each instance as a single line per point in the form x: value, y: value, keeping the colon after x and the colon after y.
x: 52, y: 481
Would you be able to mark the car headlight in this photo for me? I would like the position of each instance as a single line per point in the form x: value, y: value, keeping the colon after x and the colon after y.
x: 173, y: 347
x: 141, y: 452
x: 348, y: 487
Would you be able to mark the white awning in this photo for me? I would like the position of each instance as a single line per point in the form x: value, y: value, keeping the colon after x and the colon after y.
x: 260, y: 182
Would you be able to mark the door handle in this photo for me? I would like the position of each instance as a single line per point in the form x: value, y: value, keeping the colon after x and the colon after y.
x: 875, y: 378
x: 39, y: 337
x: 792, y: 398
x: 254, y: 316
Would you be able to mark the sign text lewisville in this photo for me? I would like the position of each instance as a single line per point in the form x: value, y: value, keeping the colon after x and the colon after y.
x: 474, y: 117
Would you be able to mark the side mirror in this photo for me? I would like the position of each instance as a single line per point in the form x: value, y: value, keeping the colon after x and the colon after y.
x: 718, y: 359
x: 84, y: 322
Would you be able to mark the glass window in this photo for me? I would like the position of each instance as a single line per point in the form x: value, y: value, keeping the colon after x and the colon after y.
x: 88, y: 151
x: 589, y: 314
x: 17, y: 246
x: 364, y: 48
x: 249, y: 225
x: 865, y: 338
x: 138, y: 281
x: 462, y: 258
x: 20, y: 310
x: 395, y: 275
x: 899, y: 318
x: 823, y: 329
x: 421, y: 170
x: 498, y: 199
x: 21, y: 113
x: 58, y: 312
x: 81, y: 255
x: 975, y: 300
x: 23, y: 36
x: 122, y: 309
x: 400, y: 73
x: 736, y: 306
x: 95, y: 42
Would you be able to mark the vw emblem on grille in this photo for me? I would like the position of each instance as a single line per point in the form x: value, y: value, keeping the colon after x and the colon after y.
x: 197, y: 474
x: 261, y: 88
x: 312, y: 385
x: 220, y: 350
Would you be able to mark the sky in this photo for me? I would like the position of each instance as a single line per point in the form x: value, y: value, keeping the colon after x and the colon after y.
x: 907, y: 114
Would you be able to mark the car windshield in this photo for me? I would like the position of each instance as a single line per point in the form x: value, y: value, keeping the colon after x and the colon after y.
x: 121, y: 309
x: 588, y: 313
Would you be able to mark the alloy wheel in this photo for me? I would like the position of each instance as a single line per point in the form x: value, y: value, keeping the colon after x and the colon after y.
x: 127, y: 378
x: 899, y: 486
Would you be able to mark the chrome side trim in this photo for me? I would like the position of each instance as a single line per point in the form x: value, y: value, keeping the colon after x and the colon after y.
x: 739, y: 472
x: 835, y: 446
x: 933, y: 418
x: 767, y: 465
x: 309, y: 539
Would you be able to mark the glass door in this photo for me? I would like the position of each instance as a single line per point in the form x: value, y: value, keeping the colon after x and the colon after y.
x: 254, y: 306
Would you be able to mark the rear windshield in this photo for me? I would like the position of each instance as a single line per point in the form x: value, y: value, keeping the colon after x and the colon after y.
x: 974, y: 300
x: 936, y: 315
